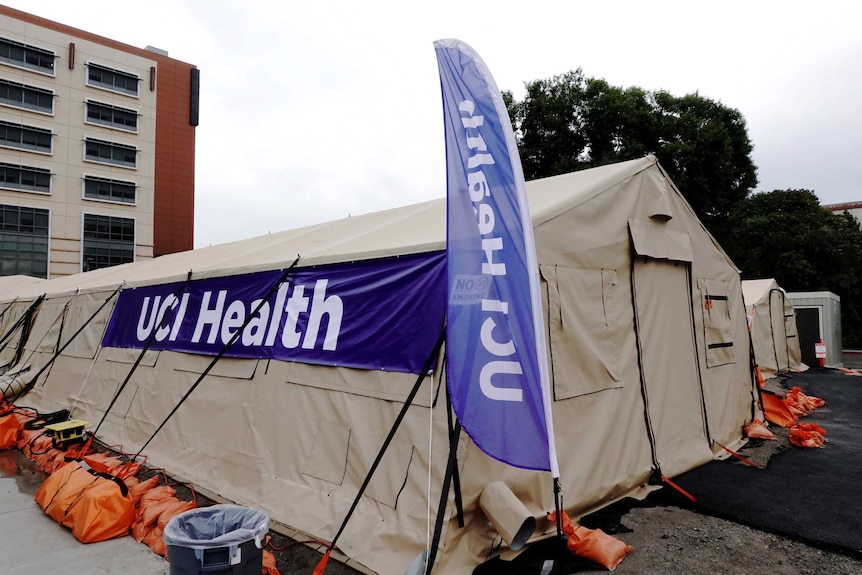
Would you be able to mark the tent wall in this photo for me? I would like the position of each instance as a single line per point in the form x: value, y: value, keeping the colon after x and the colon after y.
x: 650, y: 368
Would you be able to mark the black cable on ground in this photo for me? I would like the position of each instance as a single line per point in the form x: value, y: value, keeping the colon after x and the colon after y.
x: 40, y: 421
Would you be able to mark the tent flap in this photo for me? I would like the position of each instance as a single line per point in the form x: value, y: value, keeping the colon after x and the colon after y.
x: 656, y: 240
x: 584, y: 349
x: 717, y: 321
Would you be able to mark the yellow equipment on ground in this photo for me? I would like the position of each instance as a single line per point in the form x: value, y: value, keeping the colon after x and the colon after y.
x: 67, y: 432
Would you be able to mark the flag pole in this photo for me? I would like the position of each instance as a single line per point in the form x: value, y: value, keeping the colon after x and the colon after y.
x: 498, y: 372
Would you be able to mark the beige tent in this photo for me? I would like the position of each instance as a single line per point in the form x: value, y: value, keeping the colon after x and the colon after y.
x: 648, y: 347
x: 11, y: 284
x: 773, y: 327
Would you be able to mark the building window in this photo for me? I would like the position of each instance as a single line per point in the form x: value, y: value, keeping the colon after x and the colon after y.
x: 23, y: 241
x: 24, y: 178
x: 108, y: 190
x: 110, y: 79
x: 110, y: 153
x: 27, y: 97
x: 25, y: 56
x: 25, y: 137
x: 108, y: 241
x: 112, y: 116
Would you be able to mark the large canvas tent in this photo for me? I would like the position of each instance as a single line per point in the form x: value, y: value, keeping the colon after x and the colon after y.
x: 772, y: 320
x: 648, y: 347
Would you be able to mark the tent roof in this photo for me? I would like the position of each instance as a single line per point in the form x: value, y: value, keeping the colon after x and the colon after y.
x: 410, y: 229
x: 756, y: 291
x: 10, y: 285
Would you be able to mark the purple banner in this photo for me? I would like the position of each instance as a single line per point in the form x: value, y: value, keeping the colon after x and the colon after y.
x: 495, y: 345
x: 381, y: 314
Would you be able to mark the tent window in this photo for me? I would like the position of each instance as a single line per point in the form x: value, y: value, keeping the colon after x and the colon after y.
x: 584, y: 330
x: 717, y: 324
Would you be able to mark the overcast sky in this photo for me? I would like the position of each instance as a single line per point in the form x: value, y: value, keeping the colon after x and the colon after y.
x: 316, y: 110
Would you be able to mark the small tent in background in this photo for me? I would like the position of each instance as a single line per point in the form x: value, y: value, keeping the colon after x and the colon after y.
x: 772, y: 321
x: 648, y: 346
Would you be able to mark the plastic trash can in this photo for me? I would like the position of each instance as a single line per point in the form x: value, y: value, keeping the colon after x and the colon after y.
x: 217, y: 540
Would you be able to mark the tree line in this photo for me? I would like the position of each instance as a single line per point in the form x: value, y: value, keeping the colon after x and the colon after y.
x: 572, y: 122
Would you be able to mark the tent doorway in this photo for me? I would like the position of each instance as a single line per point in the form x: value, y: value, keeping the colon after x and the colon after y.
x: 669, y: 361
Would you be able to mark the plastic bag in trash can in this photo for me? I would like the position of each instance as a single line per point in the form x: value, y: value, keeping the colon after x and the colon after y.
x: 217, y: 526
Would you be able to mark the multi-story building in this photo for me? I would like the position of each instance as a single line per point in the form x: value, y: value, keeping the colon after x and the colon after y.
x: 855, y: 209
x: 97, y: 149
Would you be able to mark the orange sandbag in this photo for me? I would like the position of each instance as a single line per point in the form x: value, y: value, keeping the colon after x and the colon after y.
x: 153, y: 497
x: 269, y: 563
x: 106, y: 459
x: 567, y: 525
x: 136, y: 491
x: 95, y: 506
x: 757, y: 429
x: 51, y: 461
x: 113, y: 465
x: 761, y: 383
x: 156, y: 494
x: 61, y: 488
x: 34, y: 442
x: 173, y: 510
x: 801, y: 404
x: 140, y: 531
x: 131, y: 481
x: 807, y: 435
x: 105, y: 511
x: 9, y: 429
x: 150, y: 513
x: 128, y: 469
x: 593, y: 544
x: 155, y: 541
x: 776, y: 411
x: 598, y: 547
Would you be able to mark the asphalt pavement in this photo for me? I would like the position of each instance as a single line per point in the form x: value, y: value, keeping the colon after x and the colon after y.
x: 810, y: 495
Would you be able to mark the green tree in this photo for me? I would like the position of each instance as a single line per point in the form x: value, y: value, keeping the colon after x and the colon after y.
x: 787, y: 235
x: 571, y: 122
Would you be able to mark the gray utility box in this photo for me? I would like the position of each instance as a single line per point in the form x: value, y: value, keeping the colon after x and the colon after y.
x: 818, y: 316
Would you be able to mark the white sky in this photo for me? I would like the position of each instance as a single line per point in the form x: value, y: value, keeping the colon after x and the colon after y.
x: 315, y: 110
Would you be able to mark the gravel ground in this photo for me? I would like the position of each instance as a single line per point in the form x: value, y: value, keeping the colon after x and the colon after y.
x: 669, y: 540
